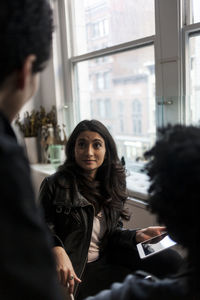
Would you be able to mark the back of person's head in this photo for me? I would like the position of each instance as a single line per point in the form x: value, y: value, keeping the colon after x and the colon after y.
x: 25, y: 28
x: 95, y: 126
x: 174, y: 170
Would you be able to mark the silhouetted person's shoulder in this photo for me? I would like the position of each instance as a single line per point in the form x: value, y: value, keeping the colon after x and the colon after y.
x: 25, y: 253
x: 137, y: 288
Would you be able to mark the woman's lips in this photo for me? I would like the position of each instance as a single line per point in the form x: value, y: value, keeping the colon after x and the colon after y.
x: 89, y: 161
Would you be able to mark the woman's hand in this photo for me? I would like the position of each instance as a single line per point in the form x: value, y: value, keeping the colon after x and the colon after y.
x: 66, y: 274
x: 148, y: 233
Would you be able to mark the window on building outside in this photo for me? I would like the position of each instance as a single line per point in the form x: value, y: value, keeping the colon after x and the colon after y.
x: 108, y: 108
x: 137, y: 117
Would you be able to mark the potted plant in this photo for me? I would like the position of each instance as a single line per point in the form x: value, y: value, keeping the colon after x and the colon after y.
x: 40, y: 130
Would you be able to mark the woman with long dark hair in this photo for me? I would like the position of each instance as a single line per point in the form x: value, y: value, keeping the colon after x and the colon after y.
x: 84, y: 207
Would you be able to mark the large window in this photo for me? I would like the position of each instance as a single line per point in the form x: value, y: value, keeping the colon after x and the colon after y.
x: 134, y: 65
x: 113, y: 62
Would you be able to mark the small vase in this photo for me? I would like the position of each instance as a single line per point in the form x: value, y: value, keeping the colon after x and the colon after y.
x: 55, y: 154
x: 31, y: 149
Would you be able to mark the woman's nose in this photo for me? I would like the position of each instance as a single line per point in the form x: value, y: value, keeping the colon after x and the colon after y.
x: 89, y: 150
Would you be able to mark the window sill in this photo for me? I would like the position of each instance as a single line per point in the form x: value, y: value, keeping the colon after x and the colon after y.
x: 45, y: 169
x: 137, y: 185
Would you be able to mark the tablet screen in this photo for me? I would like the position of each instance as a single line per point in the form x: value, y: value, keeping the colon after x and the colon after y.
x: 155, y: 245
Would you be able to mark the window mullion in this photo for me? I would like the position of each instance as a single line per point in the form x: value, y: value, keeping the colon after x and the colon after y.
x: 115, y: 49
x: 168, y: 61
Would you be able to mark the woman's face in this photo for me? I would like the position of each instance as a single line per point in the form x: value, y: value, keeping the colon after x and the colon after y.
x: 90, y: 151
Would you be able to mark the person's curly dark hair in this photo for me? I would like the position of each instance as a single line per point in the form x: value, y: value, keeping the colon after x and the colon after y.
x: 109, y: 187
x: 25, y: 28
x: 174, y: 170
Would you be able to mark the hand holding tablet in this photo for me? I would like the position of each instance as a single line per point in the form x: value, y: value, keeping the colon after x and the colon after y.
x: 155, y: 245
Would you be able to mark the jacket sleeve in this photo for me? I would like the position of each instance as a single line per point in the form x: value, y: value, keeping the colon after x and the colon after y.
x: 125, y: 238
x: 46, y: 198
x: 27, y: 264
x: 118, y: 236
x: 121, y: 248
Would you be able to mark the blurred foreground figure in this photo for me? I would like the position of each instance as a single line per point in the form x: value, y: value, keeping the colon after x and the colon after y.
x: 174, y: 171
x: 27, y: 270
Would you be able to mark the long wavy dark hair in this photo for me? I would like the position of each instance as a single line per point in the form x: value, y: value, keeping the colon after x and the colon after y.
x: 109, y: 187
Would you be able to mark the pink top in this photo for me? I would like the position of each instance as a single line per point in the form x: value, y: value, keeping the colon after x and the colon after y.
x: 98, y: 231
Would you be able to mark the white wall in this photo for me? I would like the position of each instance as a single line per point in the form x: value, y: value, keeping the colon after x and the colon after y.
x: 47, y: 87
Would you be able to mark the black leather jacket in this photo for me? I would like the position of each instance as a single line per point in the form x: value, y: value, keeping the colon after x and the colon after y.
x: 69, y: 217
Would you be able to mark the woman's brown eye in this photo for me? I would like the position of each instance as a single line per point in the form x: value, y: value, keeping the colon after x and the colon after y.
x: 81, y: 144
x: 97, y: 145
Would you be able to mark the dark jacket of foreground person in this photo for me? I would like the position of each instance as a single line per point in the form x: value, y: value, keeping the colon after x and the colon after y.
x: 146, y: 287
x: 174, y: 171
x: 26, y: 263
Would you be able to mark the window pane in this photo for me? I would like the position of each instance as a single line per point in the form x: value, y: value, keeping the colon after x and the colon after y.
x: 195, y: 8
x: 193, y: 102
x: 126, y: 105
x: 103, y: 23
